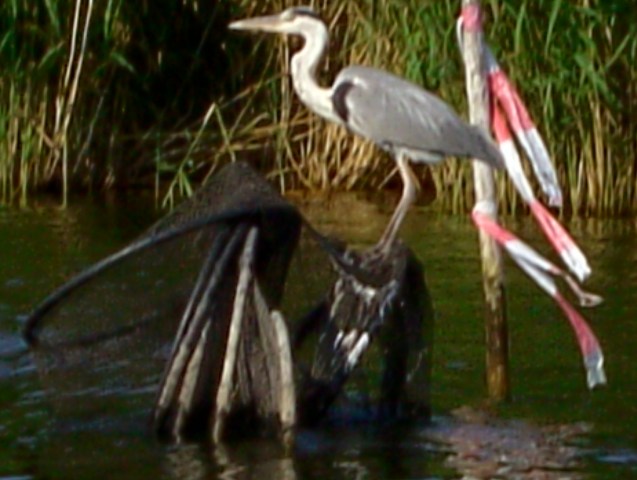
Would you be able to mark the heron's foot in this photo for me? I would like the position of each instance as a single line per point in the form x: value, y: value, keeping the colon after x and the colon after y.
x: 383, y: 251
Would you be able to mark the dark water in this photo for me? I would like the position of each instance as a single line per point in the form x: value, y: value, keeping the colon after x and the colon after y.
x: 42, y: 246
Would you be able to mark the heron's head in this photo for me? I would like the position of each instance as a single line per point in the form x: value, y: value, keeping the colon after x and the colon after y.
x: 295, y: 20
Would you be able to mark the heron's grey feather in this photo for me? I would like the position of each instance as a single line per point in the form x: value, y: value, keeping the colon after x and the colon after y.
x: 399, y: 115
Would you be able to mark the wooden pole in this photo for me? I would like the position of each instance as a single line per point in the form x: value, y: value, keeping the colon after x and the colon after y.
x: 496, y: 330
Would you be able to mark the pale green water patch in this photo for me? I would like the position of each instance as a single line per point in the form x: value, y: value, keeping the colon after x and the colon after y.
x: 42, y: 247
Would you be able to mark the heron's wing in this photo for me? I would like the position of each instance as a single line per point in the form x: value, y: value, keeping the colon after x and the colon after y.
x: 398, y: 114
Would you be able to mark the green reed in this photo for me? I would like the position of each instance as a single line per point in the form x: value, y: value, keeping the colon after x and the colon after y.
x: 91, y: 90
x: 96, y: 94
x: 577, y: 71
x: 573, y: 62
x: 48, y: 107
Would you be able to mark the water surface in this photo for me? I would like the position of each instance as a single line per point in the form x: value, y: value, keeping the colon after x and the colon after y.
x: 42, y: 246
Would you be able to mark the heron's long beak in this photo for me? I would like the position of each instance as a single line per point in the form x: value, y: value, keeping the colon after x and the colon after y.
x: 269, y: 23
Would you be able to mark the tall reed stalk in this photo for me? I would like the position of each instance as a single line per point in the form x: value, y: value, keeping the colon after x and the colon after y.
x: 89, y: 88
x: 97, y: 94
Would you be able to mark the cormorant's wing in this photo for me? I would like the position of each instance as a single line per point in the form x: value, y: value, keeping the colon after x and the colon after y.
x: 376, y: 298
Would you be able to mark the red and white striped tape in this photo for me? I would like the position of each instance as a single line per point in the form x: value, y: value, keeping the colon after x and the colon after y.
x: 509, y: 110
x: 571, y: 254
x: 505, y: 98
x: 525, y: 130
x: 541, y: 271
x: 505, y: 95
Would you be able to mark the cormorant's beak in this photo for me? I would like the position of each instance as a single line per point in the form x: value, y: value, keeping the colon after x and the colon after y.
x: 268, y: 23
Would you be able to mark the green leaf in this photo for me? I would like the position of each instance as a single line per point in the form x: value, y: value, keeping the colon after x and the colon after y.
x: 552, y: 19
x: 50, y: 58
x: 120, y: 60
x: 53, y: 17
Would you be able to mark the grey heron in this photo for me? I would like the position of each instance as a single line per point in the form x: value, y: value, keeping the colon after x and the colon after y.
x: 399, y: 116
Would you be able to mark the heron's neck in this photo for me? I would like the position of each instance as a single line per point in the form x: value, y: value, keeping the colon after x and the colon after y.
x: 304, y: 64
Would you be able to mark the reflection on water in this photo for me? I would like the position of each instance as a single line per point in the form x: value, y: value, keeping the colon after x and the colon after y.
x: 481, y: 446
x: 40, y: 248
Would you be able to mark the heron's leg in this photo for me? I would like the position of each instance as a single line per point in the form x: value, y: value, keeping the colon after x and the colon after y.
x: 409, y: 195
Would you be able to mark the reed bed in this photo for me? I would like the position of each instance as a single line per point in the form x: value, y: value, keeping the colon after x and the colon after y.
x: 104, y: 93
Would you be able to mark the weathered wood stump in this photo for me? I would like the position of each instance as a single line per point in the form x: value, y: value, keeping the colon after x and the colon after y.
x: 200, y: 293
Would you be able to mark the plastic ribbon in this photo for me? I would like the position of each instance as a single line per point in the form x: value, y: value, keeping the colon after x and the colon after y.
x: 503, y: 91
x: 508, y: 110
x: 542, y: 271
x: 571, y: 254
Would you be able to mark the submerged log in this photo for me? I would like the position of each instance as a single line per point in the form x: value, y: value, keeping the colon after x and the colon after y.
x: 230, y: 369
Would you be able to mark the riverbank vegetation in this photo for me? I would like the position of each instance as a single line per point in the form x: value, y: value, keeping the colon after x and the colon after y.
x: 98, y: 94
